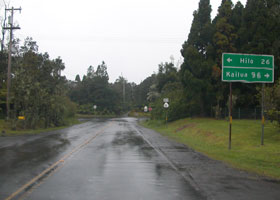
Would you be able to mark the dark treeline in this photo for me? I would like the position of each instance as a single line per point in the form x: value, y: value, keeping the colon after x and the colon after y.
x: 38, y: 91
x: 115, y: 98
x: 46, y: 98
x: 196, y: 88
x: 253, y: 30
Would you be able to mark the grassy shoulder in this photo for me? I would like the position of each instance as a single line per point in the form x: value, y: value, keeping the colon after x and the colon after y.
x: 6, y: 130
x: 210, y: 137
x: 138, y: 114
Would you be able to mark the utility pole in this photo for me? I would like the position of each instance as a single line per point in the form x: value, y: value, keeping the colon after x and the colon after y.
x: 11, y: 28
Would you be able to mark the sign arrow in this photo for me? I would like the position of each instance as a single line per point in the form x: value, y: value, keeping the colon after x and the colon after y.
x: 267, y: 75
x: 229, y: 60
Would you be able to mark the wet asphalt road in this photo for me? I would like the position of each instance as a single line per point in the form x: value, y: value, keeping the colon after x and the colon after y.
x: 117, y: 159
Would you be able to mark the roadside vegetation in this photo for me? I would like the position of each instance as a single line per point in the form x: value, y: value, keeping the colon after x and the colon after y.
x: 210, y: 137
x: 139, y: 114
x: 6, y: 130
x: 195, y: 88
x: 199, y: 100
x: 193, y: 85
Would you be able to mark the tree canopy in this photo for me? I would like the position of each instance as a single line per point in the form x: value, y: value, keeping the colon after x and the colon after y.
x: 194, y: 88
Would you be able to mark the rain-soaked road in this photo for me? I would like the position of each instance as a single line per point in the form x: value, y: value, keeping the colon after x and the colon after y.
x: 117, y: 159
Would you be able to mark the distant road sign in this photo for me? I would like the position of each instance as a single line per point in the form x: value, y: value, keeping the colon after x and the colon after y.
x: 146, y: 109
x: 165, y: 100
x: 165, y: 105
x: 247, y: 68
x: 21, y: 117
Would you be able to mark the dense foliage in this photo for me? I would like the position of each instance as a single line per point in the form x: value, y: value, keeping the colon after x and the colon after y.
x: 194, y: 88
x: 94, y: 89
x: 38, y: 90
x: 253, y: 29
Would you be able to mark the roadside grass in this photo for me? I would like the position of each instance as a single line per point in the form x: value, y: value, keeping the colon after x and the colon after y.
x: 210, y: 137
x: 138, y: 114
x: 6, y: 130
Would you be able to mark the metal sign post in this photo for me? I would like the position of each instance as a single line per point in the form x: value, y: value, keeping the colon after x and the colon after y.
x: 263, y: 120
x: 94, y: 109
x: 166, y: 105
x: 230, y: 115
x: 247, y: 68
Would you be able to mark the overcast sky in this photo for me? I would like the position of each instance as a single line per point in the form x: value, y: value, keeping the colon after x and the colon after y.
x: 131, y: 36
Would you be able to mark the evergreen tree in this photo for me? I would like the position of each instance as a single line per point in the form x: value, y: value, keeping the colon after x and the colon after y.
x: 225, y: 32
x: 260, y: 29
x: 142, y: 90
x: 167, y: 73
x: 196, y: 69
x: 95, y: 89
x: 236, y: 21
x: 223, y: 41
x: 38, y: 89
x: 78, y: 79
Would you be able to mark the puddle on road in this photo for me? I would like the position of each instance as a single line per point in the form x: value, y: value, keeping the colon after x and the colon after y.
x: 118, y: 164
x: 123, y: 138
x: 32, y: 153
x: 132, y: 169
x: 25, y: 157
x: 19, y: 164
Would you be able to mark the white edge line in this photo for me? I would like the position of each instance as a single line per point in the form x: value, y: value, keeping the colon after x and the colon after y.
x: 233, y: 67
x: 244, y: 54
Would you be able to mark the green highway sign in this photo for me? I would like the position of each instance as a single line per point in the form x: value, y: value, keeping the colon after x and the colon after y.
x: 247, y: 68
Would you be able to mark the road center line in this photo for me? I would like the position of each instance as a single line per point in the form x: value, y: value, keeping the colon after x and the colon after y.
x: 32, y: 182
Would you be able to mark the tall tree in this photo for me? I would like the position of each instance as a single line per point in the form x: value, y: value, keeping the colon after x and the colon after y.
x: 225, y: 33
x: 78, y: 79
x: 142, y: 90
x: 95, y: 89
x: 236, y: 20
x: 35, y: 75
x: 223, y: 41
x: 196, y: 69
x: 167, y: 73
x: 260, y: 29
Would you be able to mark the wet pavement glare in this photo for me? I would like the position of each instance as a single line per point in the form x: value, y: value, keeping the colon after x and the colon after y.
x: 117, y: 164
x: 118, y: 159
